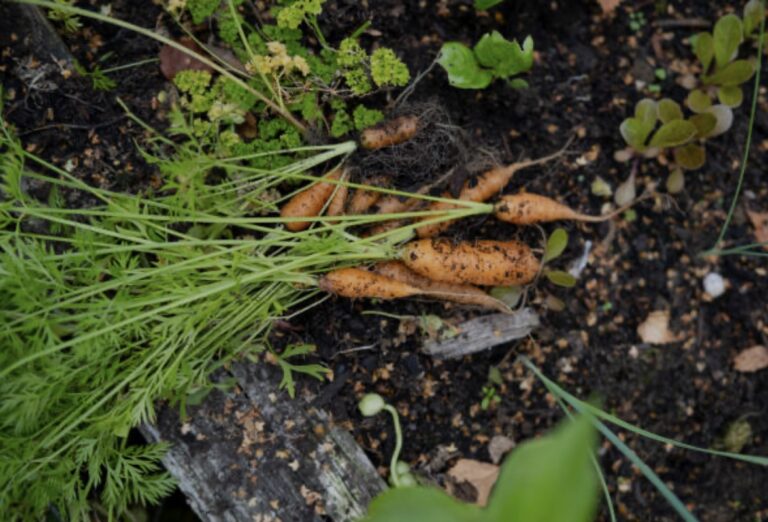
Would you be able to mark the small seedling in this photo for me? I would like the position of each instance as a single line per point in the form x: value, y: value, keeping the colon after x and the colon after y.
x: 493, y: 57
x: 636, y: 21
x: 318, y: 371
x: 556, y: 245
x: 490, y: 391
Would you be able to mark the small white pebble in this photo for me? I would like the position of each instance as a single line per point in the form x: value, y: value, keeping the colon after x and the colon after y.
x: 714, y: 284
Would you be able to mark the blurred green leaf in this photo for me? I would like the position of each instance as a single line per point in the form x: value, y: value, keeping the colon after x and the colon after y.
x: 504, y: 57
x: 698, y: 101
x: 731, y: 96
x: 735, y: 73
x: 753, y: 15
x: 704, y: 122
x: 635, y: 132
x: 482, y: 5
x: 690, y: 157
x: 561, y: 278
x: 724, y: 119
x: 550, y: 479
x: 556, y: 244
x: 674, y: 133
x: 647, y: 111
x: 676, y: 181
x: 509, y: 295
x: 669, y: 110
x: 464, y: 72
x: 727, y: 38
x: 422, y: 504
x: 704, y: 48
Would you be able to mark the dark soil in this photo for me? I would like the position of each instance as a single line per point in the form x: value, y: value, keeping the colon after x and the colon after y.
x: 583, y: 83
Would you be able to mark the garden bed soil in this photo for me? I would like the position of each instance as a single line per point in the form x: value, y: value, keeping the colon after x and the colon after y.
x: 583, y: 82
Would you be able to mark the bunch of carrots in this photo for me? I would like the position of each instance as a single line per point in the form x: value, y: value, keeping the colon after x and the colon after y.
x: 429, y: 266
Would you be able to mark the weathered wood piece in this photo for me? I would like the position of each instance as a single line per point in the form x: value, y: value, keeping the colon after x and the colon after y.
x: 483, y: 333
x: 31, y: 24
x: 254, y: 454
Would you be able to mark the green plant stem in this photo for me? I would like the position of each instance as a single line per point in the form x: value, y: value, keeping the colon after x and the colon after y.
x: 151, y: 34
x: 398, y: 445
x: 129, y: 65
x: 747, y: 145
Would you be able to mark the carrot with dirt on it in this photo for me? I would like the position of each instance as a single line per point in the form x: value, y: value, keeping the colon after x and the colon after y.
x: 310, y: 202
x: 358, y: 283
x: 484, y: 262
x: 464, y: 294
x: 362, y: 200
x: 527, y: 209
x: 482, y: 189
x: 388, y: 133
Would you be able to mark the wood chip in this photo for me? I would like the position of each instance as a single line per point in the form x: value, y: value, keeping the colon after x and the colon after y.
x: 760, y: 223
x: 751, y: 359
x: 655, y: 329
x: 481, y: 475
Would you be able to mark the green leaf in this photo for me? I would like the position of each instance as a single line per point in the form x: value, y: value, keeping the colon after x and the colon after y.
x: 482, y: 5
x: 676, y: 181
x: 731, y: 96
x: 727, y: 35
x: 674, y: 133
x: 735, y: 73
x: 504, y: 57
x: 561, y: 278
x: 556, y: 244
x: 509, y: 295
x: 753, y: 15
x: 669, y: 110
x: 724, y: 117
x: 635, y: 132
x: 518, y: 83
x: 422, y: 504
x: 704, y: 48
x: 690, y: 157
x: 647, y: 111
x: 704, y: 122
x: 549, y: 479
x: 698, y: 101
x: 463, y: 70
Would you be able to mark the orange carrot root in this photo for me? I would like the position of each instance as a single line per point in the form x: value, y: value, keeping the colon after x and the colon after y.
x: 388, y: 133
x: 527, y: 209
x: 484, y: 263
x: 358, y: 283
x: 482, y: 189
x: 338, y: 201
x: 362, y: 201
x: 464, y: 294
x: 309, y: 202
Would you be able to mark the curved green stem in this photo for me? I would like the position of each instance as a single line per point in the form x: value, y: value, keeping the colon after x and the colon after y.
x: 398, y: 445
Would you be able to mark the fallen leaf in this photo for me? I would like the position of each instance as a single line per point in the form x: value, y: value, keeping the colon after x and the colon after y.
x: 751, y: 359
x: 655, y: 329
x: 499, y: 446
x: 609, y: 5
x: 481, y: 475
x: 760, y: 222
x: 173, y: 60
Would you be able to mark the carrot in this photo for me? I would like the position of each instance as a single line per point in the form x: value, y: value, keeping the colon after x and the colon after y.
x: 527, y: 209
x: 338, y: 201
x: 465, y: 294
x: 362, y: 201
x: 357, y: 283
x: 485, y: 262
x: 390, y: 132
x: 482, y: 189
x: 309, y: 202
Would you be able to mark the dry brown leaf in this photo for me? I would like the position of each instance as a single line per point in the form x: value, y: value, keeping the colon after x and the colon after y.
x: 609, y: 5
x: 751, y: 359
x: 481, y: 475
x: 655, y: 329
x: 760, y: 222
x: 499, y: 446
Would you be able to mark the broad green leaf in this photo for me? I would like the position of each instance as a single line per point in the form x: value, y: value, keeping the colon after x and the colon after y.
x: 420, y: 504
x: 647, y: 111
x: 676, y: 181
x: 698, y: 101
x: 518, y: 83
x: 635, y: 132
x: 504, y: 57
x: 669, y: 110
x: 690, y: 156
x: 463, y: 70
x: 482, y: 5
x: 727, y: 35
x: 556, y: 244
x: 730, y: 96
x: 674, y: 133
x: 735, y: 73
x: 601, y: 188
x: 704, y: 48
x: 753, y: 15
x: 704, y: 122
x: 509, y: 295
x: 724, y: 116
x: 561, y: 278
x: 549, y: 479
